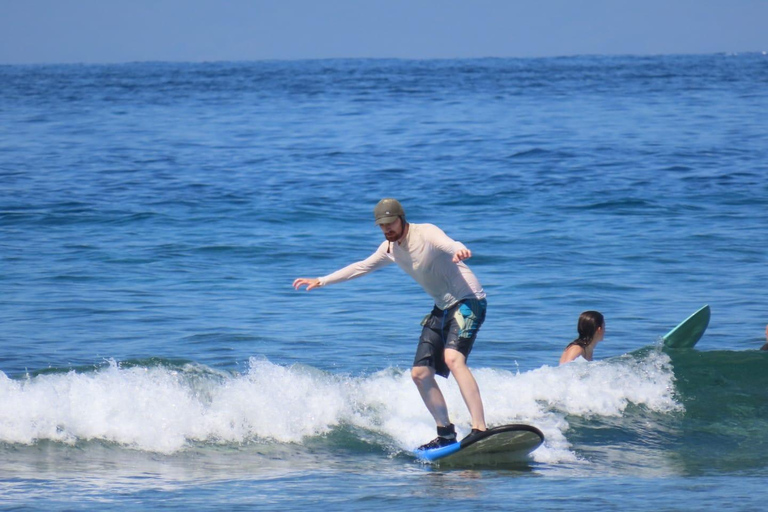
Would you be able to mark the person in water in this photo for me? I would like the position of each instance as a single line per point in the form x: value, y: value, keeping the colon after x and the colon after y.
x: 436, y: 262
x: 765, y: 347
x: 591, y: 329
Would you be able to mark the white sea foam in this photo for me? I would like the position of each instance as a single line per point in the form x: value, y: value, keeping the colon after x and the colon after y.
x: 160, y: 409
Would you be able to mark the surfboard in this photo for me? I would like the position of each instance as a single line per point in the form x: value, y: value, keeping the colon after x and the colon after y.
x: 506, y: 444
x: 689, y: 331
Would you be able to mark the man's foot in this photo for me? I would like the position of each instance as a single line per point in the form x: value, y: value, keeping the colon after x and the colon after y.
x: 445, y: 436
x: 472, y: 436
x: 437, y: 442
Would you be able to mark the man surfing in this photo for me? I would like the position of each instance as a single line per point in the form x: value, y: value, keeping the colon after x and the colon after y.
x: 436, y: 262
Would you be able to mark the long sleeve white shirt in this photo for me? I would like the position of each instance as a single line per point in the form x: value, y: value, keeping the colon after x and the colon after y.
x: 426, y: 254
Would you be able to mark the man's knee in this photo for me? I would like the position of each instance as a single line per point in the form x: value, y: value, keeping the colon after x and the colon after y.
x: 454, y: 359
x: 422, y: 374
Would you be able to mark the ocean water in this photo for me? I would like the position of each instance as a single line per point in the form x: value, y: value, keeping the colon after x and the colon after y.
x: 153, y: 216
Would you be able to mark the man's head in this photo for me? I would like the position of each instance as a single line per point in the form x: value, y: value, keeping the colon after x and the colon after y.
x: 387, y: 211
x: 390, y: 217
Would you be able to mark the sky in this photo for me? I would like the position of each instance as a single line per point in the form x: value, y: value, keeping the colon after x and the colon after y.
x: 114, y: 31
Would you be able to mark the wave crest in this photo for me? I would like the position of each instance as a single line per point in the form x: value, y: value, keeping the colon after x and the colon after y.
x: 166, y: 407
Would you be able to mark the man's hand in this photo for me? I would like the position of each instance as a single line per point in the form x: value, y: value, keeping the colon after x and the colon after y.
x: 461, y: 255
x: 309, y: 282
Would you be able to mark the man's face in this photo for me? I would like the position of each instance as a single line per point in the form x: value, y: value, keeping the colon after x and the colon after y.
x: 393, y: 231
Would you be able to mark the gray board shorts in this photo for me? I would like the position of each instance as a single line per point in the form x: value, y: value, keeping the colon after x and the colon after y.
x: 455, y: 327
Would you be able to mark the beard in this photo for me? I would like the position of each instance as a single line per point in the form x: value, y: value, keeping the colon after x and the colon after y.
x: 393, y: 236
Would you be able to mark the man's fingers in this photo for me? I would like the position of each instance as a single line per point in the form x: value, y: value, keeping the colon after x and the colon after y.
x: 462, y: 255
x: 309, y: 283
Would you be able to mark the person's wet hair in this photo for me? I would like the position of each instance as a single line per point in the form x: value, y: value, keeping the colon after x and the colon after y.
x: 589, y: 323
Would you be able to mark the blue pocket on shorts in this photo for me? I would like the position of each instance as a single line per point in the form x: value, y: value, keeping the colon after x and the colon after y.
x: 473, y: 313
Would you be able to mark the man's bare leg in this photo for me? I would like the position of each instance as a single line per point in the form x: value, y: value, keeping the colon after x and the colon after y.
x: 424, y: 378
x: 457, y: 363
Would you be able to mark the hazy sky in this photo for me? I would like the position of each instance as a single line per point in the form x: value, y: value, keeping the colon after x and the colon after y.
x: 87, y: 31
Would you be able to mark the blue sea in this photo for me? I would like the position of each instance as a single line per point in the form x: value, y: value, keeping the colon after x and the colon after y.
x: 154, y: 355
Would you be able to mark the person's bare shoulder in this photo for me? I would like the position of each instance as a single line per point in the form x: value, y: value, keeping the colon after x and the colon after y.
x: 571, y: 353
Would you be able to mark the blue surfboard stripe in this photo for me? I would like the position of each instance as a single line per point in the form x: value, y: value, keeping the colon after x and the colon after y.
x: 437, y: 453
